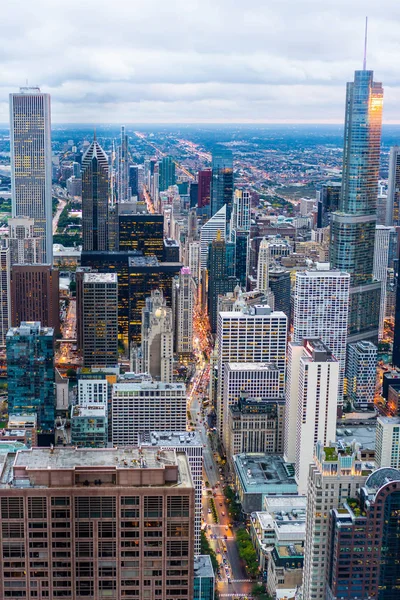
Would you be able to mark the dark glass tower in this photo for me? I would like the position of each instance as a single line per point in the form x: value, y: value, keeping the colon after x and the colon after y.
x: 167, y: 173
x: 95, y: 187
x: 221, y: 279
x: 353, y: 225
x: 222, y: 182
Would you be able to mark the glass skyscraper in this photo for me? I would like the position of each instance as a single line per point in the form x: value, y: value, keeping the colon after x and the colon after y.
x: 353, y: 225
x: 30, y: 146
x: 95, y: 189
x: 222, y: 182
x: 167, y: 173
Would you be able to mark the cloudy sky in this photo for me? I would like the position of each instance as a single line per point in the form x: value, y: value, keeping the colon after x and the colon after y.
x: 169, y: 61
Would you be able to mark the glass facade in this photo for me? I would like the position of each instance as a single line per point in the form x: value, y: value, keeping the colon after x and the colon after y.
x: 222, y: 182
x: 167, y: 173
x: 221, y: 266
x: 95, y: 189
x: 30, y: 372
x: 142, y: 232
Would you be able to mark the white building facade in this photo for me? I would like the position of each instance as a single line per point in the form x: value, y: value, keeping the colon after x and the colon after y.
x: 387, y: 447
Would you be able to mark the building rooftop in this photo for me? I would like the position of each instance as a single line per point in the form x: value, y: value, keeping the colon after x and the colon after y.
x: 253, y: 312
x: 264, y: 473
x: 100, y: 278
x: 363, y: 434
x: 170, y: 438
x: 242, y: 366
x: 203, y: 566
x: 389, y: 420
x: 90, y: 411
x: 29, y: 328
x: 159, y: 386
x: 171, y: 242
x: 289, y: 550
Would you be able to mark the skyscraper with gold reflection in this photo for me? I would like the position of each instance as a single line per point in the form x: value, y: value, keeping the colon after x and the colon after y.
x: 353, y: 225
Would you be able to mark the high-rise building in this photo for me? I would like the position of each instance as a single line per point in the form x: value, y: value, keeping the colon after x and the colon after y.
x: 26, y: 248
x: 362, y: 359
x: 220, y: 280
x: 241, y: 210
x: 311, y: 404
x: 263, y: 265
x: 280, y: 286
x: 334, y: 476
x: 393, y: 195
x: 89, y: 426
x: 253, y: 334
x: 100, y: 319
x: 204, y: 188
x: 157, y: 350
x: 117, y: 523
x: 35, y: 295
x: 208, y: 233
x: 204, y: 578
x: 193, y: 260
x: 79, y: 273
x: 133, y: 182
x: 367, y: 525
x: 95, y: 191
x: 240, y: 241
x: 124, y: 194
x: 167, y: 173
x: 30, y: 147
x: 327, y: 202
x: 143, y: 232
x: 183, y: 297
x: 353, y: 225
x: 5, y: 291
x: 146, y: 406
x: 222, y: 182
x: 321, y: 307
x: 385, y: 252
x: 387, y: 446
x: 30, y: 372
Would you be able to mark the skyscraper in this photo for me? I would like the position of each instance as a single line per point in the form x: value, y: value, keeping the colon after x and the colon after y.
x: 362, y: 358
x: 167, y: 173
x: 353, y: 225
x: 26, y: 248
x: 183, y: 297
x: 393, y: 197
x: 30, y: 146
x: 220, y: 276
x: 222, y: 182
x: 5, y: 291
x: 321, y: 307
x: 100, y: 319
x: 327, y: 202
x: 95, y: 190
x: 124, y: 194
x: 385, y: 253
x: 241, y: 210
x: 208, y: 233
x: 263, y: 265
x: 144, y: 232
x: 30, y: 372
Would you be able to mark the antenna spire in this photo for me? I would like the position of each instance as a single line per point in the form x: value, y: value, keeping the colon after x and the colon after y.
x: 365, y: 45
x: 94, y: 134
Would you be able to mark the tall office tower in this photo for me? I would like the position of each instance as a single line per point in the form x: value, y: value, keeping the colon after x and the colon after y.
x: 146, y: 406
x: 368, y: 527
x: 204, y: 188
x: 35, y: 295
x: 253, y: 334
x: 334, y: 477
x: 144, y: 232
x: 327, y: 202
x: 220, y: 280
x: 393, y: 196
x: 100, y: 319
x: 353, y: 225
x: 192, y: 226
x: 240, y: 241
x: 117, y: 523
x: 79, y: 273
x: 167, y: 173
x: 208, y: 233
x: 241, y: 210
x: 30, y: 147
x: 321, y: 309
x: 385, y: 252
x: 387, y: 445
x: 193, y: 259
x: 30, y: 372
x: 396, y: 337
x: 362, y: 358
x: 123, y: 168
x: 133, y: 180
x: 183, y: 297
x: 191, y: 444
x: 95, y: 190
x: 76, y: 166
x: 25, y: 247
x: 264, y: 263
x: 5, y: 291
x: 193, y: 194
x: 311, y: 404
x: 157, y: 338
x: 222, y: 182
x: 280, y: 286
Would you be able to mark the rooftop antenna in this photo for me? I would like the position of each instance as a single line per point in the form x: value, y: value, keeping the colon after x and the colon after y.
x: 94, y: 134
x: 365, y: 45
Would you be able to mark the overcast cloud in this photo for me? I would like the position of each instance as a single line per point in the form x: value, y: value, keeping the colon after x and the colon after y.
x: 143, y: 61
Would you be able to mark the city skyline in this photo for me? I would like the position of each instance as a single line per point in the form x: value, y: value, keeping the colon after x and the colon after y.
x: 258, y: 67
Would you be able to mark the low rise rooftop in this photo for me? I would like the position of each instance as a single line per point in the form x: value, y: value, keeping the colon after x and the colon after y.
x: 159, y: 386
x: 203, y: 566
x: 100, y: 278
x: 264, y: 473
x: 170, y: 438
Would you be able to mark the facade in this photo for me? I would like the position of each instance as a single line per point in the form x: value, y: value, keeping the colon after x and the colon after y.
x: 264, y: 260
x: 204, y: 189
x: 280, y: 286
x: 327, y: 202
x: 321, y: 309
x: 95, y: 191
x: 311, y: 404
x: 222, y: 182
x: 30, y: 149
x: 353, y: 225
x: 100, y: 319
x: 385, y: 252
x: 393, y: 196
x: 193, y: 259
x: 89, y: 427
x: 118, y: 523
x: 167, y: 173
x: 204, y: 578
x: 362, y: 358
x: 124, y: 193
x: 387, y: 449
x: 171, y: 250
x: 134, y: 180
x: 240, y: 239
x: 189, y: 442
x: 26, y: 248
x: 253, y: 334
x: 35, y: 295
x: 30, y: 372
x: 183, y: 298
x: 92, y: 392
x: 146, y: 406
x: 141, y: 232
x: 208, y: 233
x: 5, y: 291
x: 333, y: 477
x: 241, y: 210
x: 220, y: 276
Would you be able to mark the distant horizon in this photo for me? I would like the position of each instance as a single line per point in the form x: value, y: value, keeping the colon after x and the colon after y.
x: 202, y: 124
